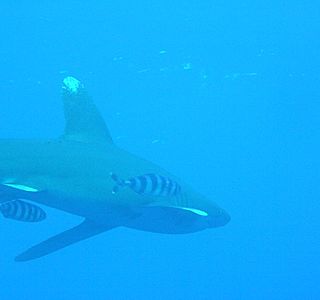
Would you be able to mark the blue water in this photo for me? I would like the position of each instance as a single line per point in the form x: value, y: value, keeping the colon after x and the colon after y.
x: 225, y: 94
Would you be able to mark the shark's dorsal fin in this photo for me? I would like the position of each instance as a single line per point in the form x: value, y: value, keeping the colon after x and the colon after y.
x: 84, y: 122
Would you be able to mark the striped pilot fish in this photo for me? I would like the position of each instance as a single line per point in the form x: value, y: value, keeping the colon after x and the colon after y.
x: 22, y: 211
x: 148, y: 184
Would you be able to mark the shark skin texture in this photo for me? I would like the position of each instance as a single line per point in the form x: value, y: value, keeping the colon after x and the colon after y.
x: 75, y: 173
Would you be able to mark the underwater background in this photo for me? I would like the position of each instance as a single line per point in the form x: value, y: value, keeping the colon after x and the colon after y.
x: 224, y: 94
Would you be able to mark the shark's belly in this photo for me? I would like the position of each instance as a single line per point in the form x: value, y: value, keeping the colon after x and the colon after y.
x: 96, y: 209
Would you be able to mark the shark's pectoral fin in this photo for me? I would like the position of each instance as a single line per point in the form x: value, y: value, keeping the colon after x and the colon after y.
x: 84, y: 122
x: 76, y: 234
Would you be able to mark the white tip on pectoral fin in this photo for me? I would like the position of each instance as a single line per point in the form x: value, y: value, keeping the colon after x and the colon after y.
x: 21, y: 187
x: 196, y: 211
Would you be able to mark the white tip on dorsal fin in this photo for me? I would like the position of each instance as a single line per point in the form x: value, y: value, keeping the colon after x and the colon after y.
x: 72, y: 84
x: 84, y: 122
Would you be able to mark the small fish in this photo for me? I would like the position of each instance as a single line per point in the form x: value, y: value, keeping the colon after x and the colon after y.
x: 149, y: 184
x: 22, y: 211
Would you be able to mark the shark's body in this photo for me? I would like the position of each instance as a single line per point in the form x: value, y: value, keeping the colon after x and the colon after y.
x: 72, y: 174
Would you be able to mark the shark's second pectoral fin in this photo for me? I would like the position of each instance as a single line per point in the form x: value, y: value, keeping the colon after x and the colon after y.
x: 76, y: 234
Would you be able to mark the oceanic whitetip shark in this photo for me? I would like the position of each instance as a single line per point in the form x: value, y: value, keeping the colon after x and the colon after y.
x: 84, y: 173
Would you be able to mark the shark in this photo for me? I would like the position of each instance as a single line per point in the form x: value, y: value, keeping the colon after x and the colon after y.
x: 84, y: 173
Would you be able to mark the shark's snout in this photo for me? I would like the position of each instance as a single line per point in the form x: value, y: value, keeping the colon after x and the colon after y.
x: 221, y: 219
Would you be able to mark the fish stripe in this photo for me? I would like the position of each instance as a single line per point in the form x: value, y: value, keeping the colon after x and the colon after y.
x: 38, y: 214
x: 149, y: 187
x: 174, y: 189
x: 154, y: 182
x: 157, y: 187
x: 24, y: 211
x: 170, y: 186
x: 163, y: 186
x: 143, y: 184
x: 14, y: 208
x: 30, y: 215
x: 20, y: 210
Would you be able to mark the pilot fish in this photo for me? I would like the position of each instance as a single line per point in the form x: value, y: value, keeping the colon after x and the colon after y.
x: 22, y: 211
x: 148, y: 184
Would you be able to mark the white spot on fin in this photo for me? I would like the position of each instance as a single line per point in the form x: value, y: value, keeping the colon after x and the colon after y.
x: 196, y: 211
x: 21, y: 187
x: 71, y: 84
